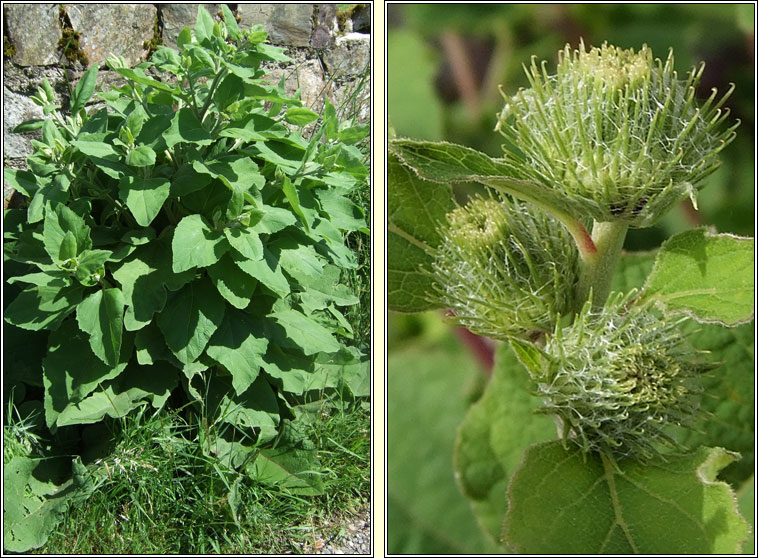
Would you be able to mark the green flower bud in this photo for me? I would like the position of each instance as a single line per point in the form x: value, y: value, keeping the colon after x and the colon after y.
x: 504, y: 269
x: 618, y: 134
x: 618, y: 379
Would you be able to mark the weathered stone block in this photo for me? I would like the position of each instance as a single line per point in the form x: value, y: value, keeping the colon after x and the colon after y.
x: 350, y: 55
x: 178, y: 16
x: 17, y: 109
x: 361, y: 17
x: 120, y: 29
x: 325, y: 26
x: 286, y: 24
x: 34, y: 30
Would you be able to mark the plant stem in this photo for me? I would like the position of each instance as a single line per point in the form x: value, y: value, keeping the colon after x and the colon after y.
x: 597, y: 268
x: 574, y: 226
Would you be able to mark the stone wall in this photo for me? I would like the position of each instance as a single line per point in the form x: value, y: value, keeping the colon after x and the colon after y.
x: 330, y: 50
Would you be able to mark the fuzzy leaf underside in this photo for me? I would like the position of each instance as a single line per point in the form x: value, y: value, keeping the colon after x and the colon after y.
x: 447, y: 163
x: 560, y: 502
x: 707, y: 276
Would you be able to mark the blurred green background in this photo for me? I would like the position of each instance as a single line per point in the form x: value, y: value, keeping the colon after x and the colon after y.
x: 445, y: 64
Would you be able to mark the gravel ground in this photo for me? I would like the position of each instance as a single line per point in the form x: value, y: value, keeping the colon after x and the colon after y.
x: 353, y: 537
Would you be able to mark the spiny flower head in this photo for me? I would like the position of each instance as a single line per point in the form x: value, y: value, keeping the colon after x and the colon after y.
x: 504, y: 270
x: 618, y: 379
x: 615, y: 132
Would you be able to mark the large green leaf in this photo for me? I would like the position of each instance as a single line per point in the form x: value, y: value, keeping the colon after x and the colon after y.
x: 22, y: 181
x: 235, y: 347
x: 43, y: 306
x: 84, y: 89
x: 290, y: 192
x: 256, y: 407
x: 141, y: 156
x: 272, y: 219
x: 144, y: 276
x: 728, y: 402
x: 196, y: 244
x: 320, y: 290
x: 293, y: 465
x: 144, y: 196
x: 290, y: 372
x: 190, y: 318
x: 246, y: 241
x: 236, y: 286
x: 306, y: 333
x: 447, y: 163
x: 238, y: 173
x: 34, y: 502
x: 493, y: 437
x: 416, y: 217
x: 150, y: 346
x: 101, y: 316
x: 186, y: 128
x: 90, y: 145
x: 710, y: 277
x: 72, y: 371
x: 230, y: 89
x: 300, y: 116
x: 187, y: 180
x: 563, y: 502
x: 267, y: 271
x: 342, y: 212
x: 203, y: 26
x: 126, y: 392
x: 144, y: 80
x: 300, y: 260
x: 62, y: 226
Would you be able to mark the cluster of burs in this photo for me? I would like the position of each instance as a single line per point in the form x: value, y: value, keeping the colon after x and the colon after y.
x: 618, y: 138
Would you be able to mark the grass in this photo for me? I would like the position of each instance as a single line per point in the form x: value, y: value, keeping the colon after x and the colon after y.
x: 160, y: 493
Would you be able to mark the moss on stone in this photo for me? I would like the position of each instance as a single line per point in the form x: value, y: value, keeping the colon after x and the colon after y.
x: 8, y: 48
x: 345, y: 13
x: 69, y: 41
x: 152, y: 45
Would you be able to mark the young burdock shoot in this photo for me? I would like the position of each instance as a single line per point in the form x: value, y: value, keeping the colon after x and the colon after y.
x: 612, y: 139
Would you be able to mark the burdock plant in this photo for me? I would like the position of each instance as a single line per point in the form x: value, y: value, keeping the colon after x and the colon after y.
x: 611, y: 139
